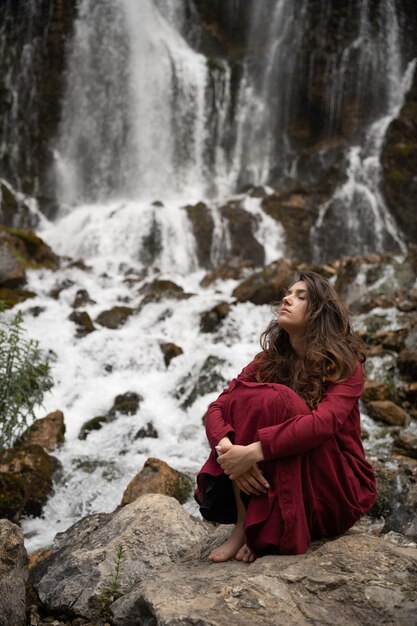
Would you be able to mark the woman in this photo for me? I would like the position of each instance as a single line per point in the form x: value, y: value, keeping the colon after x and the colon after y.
x: 287, y: 463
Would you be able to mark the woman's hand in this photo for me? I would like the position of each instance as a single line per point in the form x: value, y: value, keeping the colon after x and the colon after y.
x: 239, y: 459
x: 252, y: 482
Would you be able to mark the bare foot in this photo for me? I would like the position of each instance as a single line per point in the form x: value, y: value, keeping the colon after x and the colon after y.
x: 231, y: 547
x: 245, y: 554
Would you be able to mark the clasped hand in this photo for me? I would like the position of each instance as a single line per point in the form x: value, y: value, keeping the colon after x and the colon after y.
x: 238, y: 463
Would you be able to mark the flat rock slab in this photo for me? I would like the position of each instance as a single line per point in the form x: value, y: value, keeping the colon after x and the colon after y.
x: 354, y: 580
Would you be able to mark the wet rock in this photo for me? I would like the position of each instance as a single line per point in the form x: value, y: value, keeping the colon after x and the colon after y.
x: 388, y: 412
x: 399, y: 164
x: 33, y: 468
x: 11, y: 297
x: 14, y: 209
x: 231, y: 269
x: 148, y: 430
x: 159, y: 290
x: 294, y: 211
x: 170, y: 351
x: 12, y: 261
x: 48, y: 432
x: 13, y: 575
x: 60, y: 287
x: 209, y: 378
x: 154, y: 530
x: 356, y: 579
x: 211, y: 320
x: 151, y: 244
x: 126, y: 404
x: 375, y: 390
x: 202, y: 224
x: 115, y: 317
x: 403, y: 519
x: 389, y: 339
x: 12, y: 496
x: 241, y: 225
x: 158, y: 477
x: 407, y: 364
x: 94, y: 423
x: 82, y: 298
x: 392, y: 484
x: 266, y: 286
x: 406, y: 443
x: 83, y: 322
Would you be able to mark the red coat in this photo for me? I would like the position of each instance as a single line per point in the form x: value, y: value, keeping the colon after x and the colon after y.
x: 320, y: 481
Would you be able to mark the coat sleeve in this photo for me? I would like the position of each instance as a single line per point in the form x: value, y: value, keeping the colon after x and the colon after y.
x: 216, y: 427
x: 303, y: 432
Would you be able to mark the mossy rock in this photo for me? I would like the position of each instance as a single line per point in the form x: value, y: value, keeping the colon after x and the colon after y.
x: 211, y: 320
x: 94, y: 424
x: 11, y: 297
x: 208, y: 379
x: 38, y: 254
x: 114, y: 318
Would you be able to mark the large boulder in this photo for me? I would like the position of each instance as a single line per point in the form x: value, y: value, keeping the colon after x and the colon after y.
x: 154, y: 530
x: 156, y: 476
x: 241, y: 226
x: 356, y: 580
x: 13, y: 575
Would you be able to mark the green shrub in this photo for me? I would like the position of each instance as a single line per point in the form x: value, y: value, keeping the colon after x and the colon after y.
x: 24, y: 378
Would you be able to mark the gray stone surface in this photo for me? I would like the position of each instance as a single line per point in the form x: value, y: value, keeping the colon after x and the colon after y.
x: 13, y: 575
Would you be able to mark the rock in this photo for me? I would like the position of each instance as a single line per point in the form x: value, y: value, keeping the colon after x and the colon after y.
x: 83, y: 322
x: 114, y: 317
x: 375, y: 390
x: 154, y: 530
x: 407, y: 364
x: 403, y: 519
x: 406, y: 443
x: 159, y: 290
x: 94, y: 424
x: 61, y: 286
x: 388, y: 412
x: 12, y: 496
x: 208, y: 379
x: 126, y: 404
x: 15, y: 212
x: 48, y: 432
x: 82, y: 298
x: 294, y: 210
x: 389, y: 339
x: 147, y: 431
x: 241, y: 225
x: 266, y: 286
x: 202, y: 224
x: 231, y: 269
x: 399, y: 164
x: 211, y: 320
x: 12, y: 264
x: 151, y: 245
x: 170, y: 351
x: 158, y: 477
x: 33, y: 468
x: 11, y: 297
x: 355, y: 580
x: 13, y: 575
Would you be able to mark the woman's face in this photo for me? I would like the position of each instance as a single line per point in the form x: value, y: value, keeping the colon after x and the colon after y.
x: 292, y: 313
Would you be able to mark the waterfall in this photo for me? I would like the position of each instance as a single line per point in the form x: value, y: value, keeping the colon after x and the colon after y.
x: 150, y: 113
x: 357, y: 207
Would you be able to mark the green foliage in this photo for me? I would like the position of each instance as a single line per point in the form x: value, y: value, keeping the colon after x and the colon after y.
x: 113, y: 589
x: 24, y: 378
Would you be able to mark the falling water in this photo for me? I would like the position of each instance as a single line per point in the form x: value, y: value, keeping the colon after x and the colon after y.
x: 357, y: 208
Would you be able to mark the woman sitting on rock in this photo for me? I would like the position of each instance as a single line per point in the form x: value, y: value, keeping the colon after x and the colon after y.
x: 287, y: 464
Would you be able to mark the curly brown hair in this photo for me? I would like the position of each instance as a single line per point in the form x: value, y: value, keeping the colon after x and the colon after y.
x: 332, y: 348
